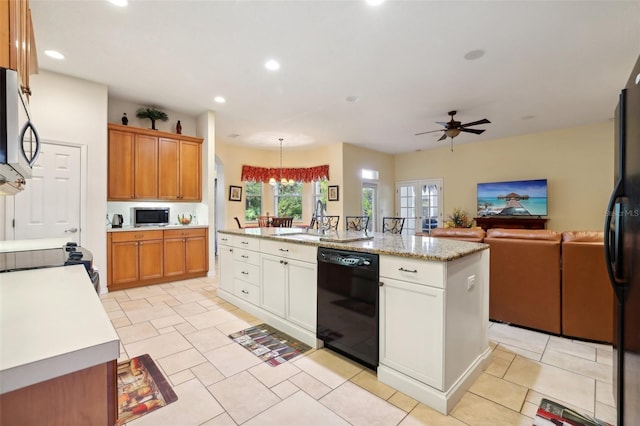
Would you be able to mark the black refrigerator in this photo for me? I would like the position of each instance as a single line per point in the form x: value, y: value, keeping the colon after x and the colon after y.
x: 622, y: 252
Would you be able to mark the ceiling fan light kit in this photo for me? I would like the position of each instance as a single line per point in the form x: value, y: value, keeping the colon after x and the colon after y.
x: 452, y: 128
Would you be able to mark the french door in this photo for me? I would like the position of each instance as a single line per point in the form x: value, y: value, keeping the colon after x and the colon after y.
x: 420, y: 203
x: 370, y: 204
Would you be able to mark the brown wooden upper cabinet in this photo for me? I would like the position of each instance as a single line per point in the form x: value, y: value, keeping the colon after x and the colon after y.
x: 146, y: 164
x: 17, y: 41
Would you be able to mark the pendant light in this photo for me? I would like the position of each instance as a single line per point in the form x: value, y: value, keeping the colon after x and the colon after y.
x: 283, y: 181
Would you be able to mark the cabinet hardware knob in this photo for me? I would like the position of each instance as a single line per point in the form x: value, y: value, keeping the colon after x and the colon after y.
x: 380, y: 284
x: 244, y: 273
x: 244, y: 256
x: 285, y: 262
x: 281, y: 261
x: 415, y: 271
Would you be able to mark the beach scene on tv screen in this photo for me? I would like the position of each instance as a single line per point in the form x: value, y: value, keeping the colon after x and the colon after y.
x: 515, y: 198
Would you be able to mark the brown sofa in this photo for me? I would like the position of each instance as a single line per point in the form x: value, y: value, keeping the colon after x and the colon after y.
x: 587, y: 296
x: 474, y: 235
x: 525, y: 277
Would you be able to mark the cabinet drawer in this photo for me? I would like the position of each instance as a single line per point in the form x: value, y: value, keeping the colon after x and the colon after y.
x: 301, y: 252
x: 413, y: 270
x: 246, y: 272
x: 246, y: 291
x: 246, y: 243
x: 120, y: 237
x: 225, y: 239
x: 247, y: 256
x: 185, y: 233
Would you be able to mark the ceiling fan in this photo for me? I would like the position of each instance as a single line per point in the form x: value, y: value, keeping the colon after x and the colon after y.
x: 452, y: 128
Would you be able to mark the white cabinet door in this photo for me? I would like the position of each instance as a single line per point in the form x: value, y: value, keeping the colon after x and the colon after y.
x: 225, y: 268
x: 273, y: 284
x: 411, y: 330
x: 302, y: 294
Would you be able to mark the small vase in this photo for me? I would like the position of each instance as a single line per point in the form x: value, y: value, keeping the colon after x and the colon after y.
x: 179, y: 128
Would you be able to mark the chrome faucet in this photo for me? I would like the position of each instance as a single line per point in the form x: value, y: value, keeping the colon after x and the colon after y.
x: 322, y: 228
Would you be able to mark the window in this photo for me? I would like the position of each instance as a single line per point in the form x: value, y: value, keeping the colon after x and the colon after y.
x: 253, y: 200
x: 288, y: 201
x: 369, y: 174
x: 319, y: 188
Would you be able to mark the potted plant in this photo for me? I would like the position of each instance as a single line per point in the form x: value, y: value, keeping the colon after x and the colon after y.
x: 152, y: 114
x: 459, y: 218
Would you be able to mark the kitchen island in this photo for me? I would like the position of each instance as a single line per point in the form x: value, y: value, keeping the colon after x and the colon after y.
x: 58, y: 349
x: 433, y: 300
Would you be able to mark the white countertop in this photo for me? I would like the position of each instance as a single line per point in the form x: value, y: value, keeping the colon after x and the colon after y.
x: 35, y: 244
x: 51, y: 323
x: 153, y: 228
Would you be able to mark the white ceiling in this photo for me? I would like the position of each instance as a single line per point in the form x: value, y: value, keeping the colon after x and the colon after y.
x: 548, y: 64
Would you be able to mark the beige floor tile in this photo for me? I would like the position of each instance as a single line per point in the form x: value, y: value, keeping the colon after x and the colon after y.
x: 474, y: 410
x: 498, y: 366
x: 519, y: 337
x: 185, y: 328
x: 604, y: 356
x: 232, y: 359
x: 166, y: 330
x: 181, y: 361
x: 535, y: 356
x: 189, y: 309
x: 163, y: 299
x: 130, y: 305
x: 148, y: 314
x: 207, y: 373
x: 427, y: 416
x: 120, y: 322
x: 578, y: 365
x: 298, y: 409
x: 501, y: 352
x: 167, y: 321
x: 329, y: 368
x: 572, y: 347
x: 245, y: 316
x: 144, y: 292
x: 194, y: 406
x: 208, y: 339
x: 232, y: 326
x: 553, y: 381
x: 368, y: 381
x: 285, y: 389
x: 604, y: 393
x: 110, y: 305
x: 207, y: 303
x: 136, y: 332
x: 181, y: 377
x: 243, y: 396
x: 360, y: 407
x: 529, y: 409
x: 500, y: 391
x: 159, y: 346
x: 402, y: 401
x: 606, y: 413
x: 222, y: 420
x: 194, y: 296
x: 271, y: 376
x: 208, y: 319
x: 314, y: 387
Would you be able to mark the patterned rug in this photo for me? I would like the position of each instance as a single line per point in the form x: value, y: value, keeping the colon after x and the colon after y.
x: 270, y: 345
x: 550, y: 413
x: 141, y: 388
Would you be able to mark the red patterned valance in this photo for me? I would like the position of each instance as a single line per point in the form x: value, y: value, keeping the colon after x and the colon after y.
x: 299, y: 174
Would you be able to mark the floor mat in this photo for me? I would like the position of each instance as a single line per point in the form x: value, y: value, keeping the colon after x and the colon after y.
x: 141, y: 388
x: 272, y: 346
x: 551, y: 413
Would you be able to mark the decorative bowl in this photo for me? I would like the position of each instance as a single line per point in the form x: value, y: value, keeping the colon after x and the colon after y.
x: 184, y: 220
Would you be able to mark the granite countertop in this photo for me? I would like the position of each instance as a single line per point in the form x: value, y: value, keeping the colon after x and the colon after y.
x: 52, y: 323
x: 154, y: 228
x: 425, y: 248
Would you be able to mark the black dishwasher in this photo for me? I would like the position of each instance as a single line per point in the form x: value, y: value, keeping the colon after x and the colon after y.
x: 348, y: 304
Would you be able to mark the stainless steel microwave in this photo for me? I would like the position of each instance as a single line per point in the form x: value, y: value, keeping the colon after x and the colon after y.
x: 150, y: 216
x: 19, y: 141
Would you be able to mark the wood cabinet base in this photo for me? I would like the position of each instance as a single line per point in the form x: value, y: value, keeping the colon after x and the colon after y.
x: 161, y: 280
x: 85, y: 397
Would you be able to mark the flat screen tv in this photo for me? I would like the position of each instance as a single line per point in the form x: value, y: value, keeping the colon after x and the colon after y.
x: 514, y: 198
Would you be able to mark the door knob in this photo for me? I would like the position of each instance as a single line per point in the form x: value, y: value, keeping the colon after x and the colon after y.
x: 72, y: 230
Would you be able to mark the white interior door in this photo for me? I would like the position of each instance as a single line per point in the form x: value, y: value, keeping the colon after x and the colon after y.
x: 420, y: 203
x: 49, y: 206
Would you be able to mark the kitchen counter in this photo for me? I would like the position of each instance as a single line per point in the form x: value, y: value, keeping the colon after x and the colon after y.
x: 51, y: 324
x: 154, y: 228
x: 425, y: 248
x: 35, y: 244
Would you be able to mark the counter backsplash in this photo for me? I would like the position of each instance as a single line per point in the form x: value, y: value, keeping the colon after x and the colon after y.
x: 199, y: 211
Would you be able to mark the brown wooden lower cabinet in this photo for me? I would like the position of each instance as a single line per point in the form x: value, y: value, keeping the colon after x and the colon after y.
x: 85, y: 397
x: 137, y: 258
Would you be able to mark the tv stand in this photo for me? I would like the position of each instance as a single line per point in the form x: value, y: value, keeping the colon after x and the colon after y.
x: 517, y: 222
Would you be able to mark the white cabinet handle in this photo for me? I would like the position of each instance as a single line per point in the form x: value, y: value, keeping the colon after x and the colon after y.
x: 284, y: 250
x: 244, y: 256
x: 244, y: 291
x: 244, y: 242
x: 244, y: 273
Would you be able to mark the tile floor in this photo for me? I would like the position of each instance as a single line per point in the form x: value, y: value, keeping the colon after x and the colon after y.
x: 184, y: 327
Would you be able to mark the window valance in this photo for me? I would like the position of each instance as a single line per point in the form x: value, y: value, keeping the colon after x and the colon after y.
x: 299, y: 174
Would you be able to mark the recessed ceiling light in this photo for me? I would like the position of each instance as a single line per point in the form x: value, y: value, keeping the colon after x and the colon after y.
x: 54, y: 54
x: 120, y: 3
x: 375, y: 2
x: 474, y: 54
x: 352, y: 98
x: 272, y: 65
x: 220, y: 99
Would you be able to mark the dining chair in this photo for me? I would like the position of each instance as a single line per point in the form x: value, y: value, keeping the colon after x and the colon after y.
x: 392, y: 225
x: 281, y: 222
x: 329, y: 222
x: 357, y: 223
x: 238, y: 222
x: 263, y: 221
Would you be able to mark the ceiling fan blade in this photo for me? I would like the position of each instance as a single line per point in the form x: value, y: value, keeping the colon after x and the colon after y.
x: 431, y: 131
x: 474, y: 131
x: 442, y: 123
x: 443, y: 137
x: 474, y: 123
